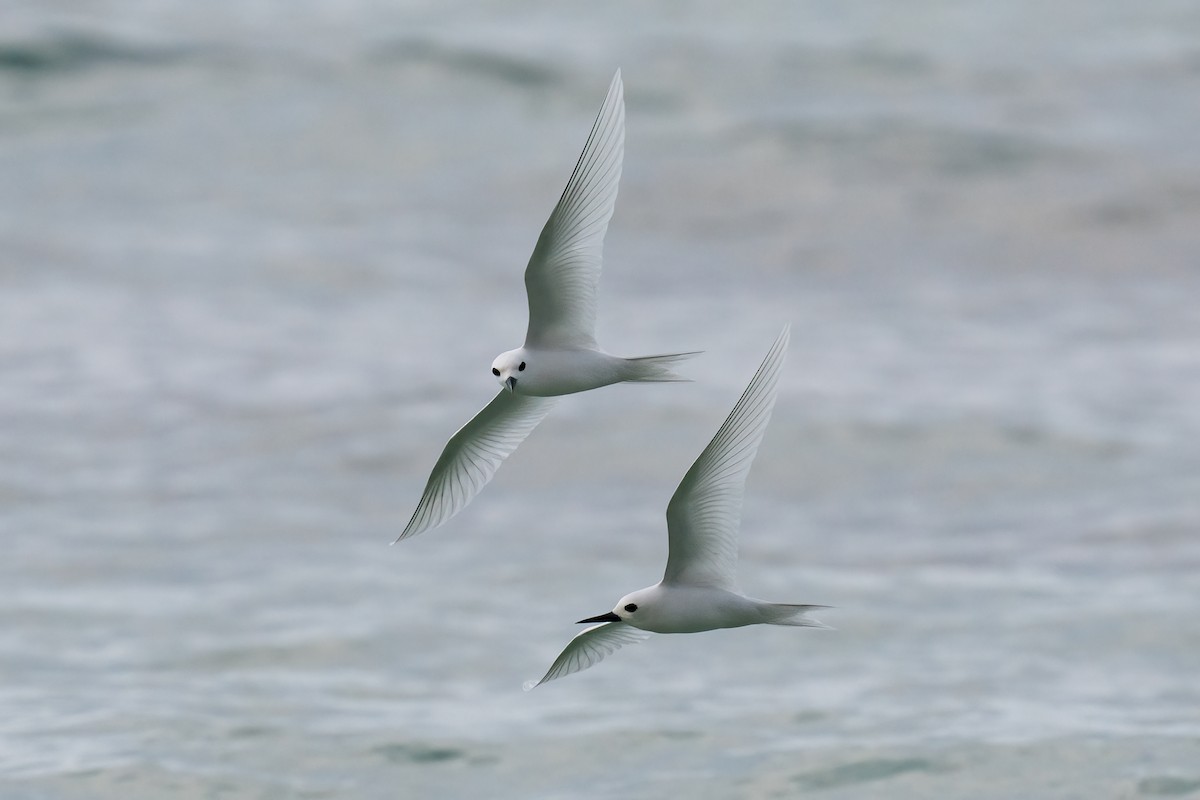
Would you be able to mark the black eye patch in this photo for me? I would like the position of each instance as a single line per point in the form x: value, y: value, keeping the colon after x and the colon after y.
x: 631, y: 607
x: 522, y: 367
x: 496, y: 372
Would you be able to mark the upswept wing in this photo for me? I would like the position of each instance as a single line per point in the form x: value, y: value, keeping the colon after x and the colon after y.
x: 706, y: 510
x: 589, y: 647
x: 564, y: 271
x: 473, y: 455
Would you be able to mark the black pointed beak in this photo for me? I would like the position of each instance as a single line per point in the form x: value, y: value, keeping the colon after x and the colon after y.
x: 609, y: 617
x: 511, y: 383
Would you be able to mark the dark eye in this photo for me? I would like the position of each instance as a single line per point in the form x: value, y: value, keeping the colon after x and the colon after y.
x: 522, y: 367
x: 496, y: 372
x: 631, y: 607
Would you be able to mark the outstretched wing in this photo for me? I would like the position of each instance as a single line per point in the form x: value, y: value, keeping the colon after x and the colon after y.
x: 706, y: 510
x: 564, y: 270
x: 589, y: 648
x: 473, y: 455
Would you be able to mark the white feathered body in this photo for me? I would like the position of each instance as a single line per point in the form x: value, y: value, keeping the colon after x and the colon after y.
x: 691, y: 609
x: 554, y: 372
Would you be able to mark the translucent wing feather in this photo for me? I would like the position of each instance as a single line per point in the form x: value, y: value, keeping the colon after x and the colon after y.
x: 706, y: 510
x: 564, y: 271
x: 473, y: 455
x: 589, y: 648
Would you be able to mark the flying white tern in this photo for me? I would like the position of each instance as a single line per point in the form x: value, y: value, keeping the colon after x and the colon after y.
x: 699, y: 590
x: 560, y: 355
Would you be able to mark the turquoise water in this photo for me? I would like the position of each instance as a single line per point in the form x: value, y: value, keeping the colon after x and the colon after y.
x: 255, y: 263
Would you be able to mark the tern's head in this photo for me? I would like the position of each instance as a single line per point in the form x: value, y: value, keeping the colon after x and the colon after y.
x: 631, y: 608
x: 508, y: 368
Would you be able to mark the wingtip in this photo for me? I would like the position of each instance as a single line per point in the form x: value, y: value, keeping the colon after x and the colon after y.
x: 779, y: 347
x: 616, y: 84
x: 421, y: 519
x: 825, y: 625
x: 528, y: 686
x: 409, y: 531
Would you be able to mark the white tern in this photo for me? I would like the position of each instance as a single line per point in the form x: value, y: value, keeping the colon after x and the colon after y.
x: 560, y: 355
x: 699, y: 590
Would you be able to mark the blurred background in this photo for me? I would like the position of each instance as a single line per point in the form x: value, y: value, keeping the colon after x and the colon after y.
x: 256, y: 259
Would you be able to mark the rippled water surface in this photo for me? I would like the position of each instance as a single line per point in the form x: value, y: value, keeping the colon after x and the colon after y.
x: 255, y: 262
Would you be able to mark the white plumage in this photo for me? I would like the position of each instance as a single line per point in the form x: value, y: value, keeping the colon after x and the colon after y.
x: 560, y: 355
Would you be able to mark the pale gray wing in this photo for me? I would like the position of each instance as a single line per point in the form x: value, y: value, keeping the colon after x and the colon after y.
x: 564, y: 271
x: 473, y: 455
x: 589, y: 648
x: 706, y: 510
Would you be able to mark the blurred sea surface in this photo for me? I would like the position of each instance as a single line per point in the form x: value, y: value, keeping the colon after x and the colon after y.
x: 255, y: 262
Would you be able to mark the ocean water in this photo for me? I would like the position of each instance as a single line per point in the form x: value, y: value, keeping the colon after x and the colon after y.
x: 255, y: 262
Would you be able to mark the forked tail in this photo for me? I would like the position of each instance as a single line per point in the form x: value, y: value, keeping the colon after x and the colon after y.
x: 788, y: 614
x: 655, y: 368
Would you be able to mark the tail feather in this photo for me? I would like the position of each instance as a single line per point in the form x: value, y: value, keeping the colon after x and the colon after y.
x: 656, y: 368
x: 789, y: 614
